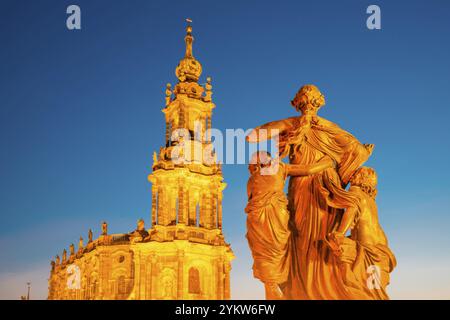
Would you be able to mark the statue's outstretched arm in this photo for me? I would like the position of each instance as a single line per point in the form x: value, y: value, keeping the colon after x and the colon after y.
x: 270, y: 130
x: 347, y: 220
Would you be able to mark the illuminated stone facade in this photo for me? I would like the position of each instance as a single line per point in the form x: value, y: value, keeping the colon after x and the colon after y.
x: 184, y: 254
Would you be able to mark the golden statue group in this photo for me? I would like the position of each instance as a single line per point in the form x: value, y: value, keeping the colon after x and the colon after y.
x: 299, y: 243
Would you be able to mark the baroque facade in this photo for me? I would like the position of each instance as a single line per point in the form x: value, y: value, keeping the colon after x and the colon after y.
x: 184, y: 254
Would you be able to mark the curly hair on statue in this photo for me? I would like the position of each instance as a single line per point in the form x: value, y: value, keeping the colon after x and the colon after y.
x: 366, y: 178
x: 258, y: 160
x: 308, y: 98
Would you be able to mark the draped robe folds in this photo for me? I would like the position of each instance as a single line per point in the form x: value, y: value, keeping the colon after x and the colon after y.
x: 267, y: 227
x: 368, y: 256
x: 316, y: 205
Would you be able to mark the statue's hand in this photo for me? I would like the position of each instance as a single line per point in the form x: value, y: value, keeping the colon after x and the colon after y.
x: 326, y: 159
x: 334, y: 241
x: 252, y: 137
x: 369, y: 147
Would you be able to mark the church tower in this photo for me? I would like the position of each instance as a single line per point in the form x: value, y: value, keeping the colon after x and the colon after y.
x: 187, y: 187
x: 184, y: 254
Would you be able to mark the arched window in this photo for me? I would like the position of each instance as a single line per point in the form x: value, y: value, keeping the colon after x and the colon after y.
x: 194, y: 281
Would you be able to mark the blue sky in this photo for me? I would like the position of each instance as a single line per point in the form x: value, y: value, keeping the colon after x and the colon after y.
x: 80, y: 116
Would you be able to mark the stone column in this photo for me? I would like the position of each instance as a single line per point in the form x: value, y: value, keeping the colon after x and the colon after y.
x: 181, y: 119
x: 192, y: 209
x: 143, y: 279
x: 203, y: 121
x: 209, y: 212
x: 104, y: 266
x: 226, y: 291
x: 181, y: 204
x: 150, y: 276
x: 219, y: 278
x: 214, y: 211
x: 154, y: 204
x: 167, y: 132
x: 172, y: 214
x: 160, y: 205
x: 208, y: 127
x: 202, y: 222
x: 219, y: 211
x: 136, y: 291
x: 180, y: 280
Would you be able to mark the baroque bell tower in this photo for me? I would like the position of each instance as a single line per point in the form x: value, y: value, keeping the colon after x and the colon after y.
x: 189, y: 249
x: 183, y: 255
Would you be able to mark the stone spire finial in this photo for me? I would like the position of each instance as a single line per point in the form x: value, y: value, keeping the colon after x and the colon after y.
x: 189, y: 39
x: 208, y: 90
x: 189, y: 69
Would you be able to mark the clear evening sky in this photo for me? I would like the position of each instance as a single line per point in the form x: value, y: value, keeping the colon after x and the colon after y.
x: 80, y: 116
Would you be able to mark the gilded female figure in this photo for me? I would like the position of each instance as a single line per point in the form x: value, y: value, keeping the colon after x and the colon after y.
x: 314, y: 270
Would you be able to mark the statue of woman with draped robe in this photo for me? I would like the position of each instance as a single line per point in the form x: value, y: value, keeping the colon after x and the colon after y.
x: 314, y: 269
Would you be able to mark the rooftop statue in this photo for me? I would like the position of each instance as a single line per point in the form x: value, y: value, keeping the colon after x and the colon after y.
x: 90, y: 236
x: 104, y: 228
x: 80, y: 244
x: 72, y: 249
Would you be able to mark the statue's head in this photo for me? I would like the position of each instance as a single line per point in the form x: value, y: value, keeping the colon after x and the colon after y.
x: 365, y: 178
x: 259, y: 159
x: 308, y: 100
